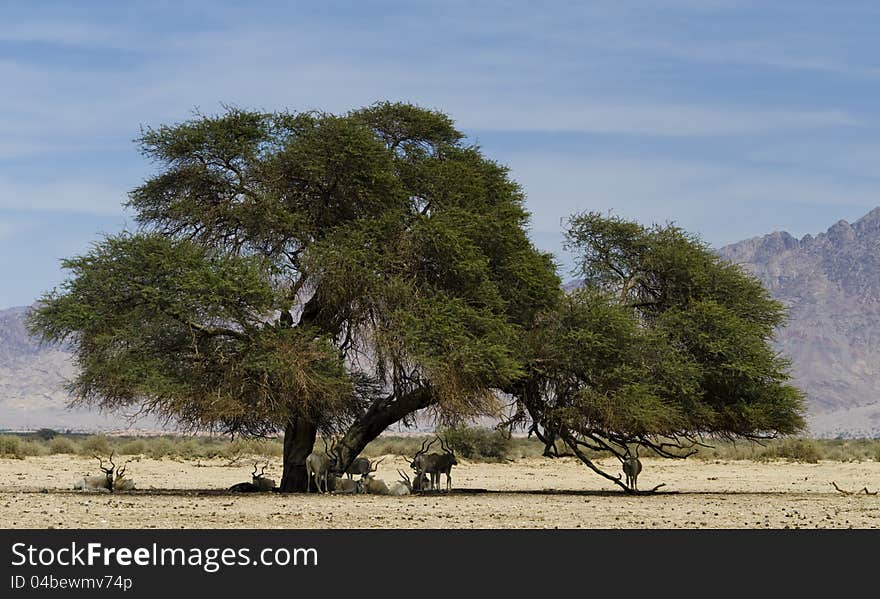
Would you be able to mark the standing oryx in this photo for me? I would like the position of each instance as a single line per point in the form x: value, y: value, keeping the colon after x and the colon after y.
x: 323, y: 466
x: 632, y: 466
x: 434, y: 464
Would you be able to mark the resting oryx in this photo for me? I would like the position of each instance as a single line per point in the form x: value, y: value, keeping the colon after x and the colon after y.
x: 347, y: 486
x: 111, y: 480
x: 362, y: 466
x: 402, y: 486
x: 258, y: 483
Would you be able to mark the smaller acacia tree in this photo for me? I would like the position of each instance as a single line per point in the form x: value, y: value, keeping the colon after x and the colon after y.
x: 664, y: 345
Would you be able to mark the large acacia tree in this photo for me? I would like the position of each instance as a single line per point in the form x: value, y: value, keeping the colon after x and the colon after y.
x: 306, y: 272
x: 664, y: 345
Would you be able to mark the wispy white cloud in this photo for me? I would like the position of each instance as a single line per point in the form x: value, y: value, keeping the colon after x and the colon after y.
x: 64, y: 195
x: 703, y: 196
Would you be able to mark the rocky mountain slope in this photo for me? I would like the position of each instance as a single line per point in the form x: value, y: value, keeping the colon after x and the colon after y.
x: 831, y: 283
x: 32, y: 379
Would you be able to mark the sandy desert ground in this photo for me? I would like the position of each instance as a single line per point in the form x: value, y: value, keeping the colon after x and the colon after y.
x: 532, y: 493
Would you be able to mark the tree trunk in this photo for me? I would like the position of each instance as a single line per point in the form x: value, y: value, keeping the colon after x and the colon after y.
x: 380, y: 415
x: 299, y: 439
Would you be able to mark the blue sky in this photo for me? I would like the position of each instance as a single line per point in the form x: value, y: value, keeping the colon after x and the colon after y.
x: 731, y: 118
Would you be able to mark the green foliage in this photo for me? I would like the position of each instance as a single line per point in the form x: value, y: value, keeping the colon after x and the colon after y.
x: 473, y: 443
x: 20, y: 448
x: 664, y: 342
x: 10, y: 446
x: 45, y: 434
x: 97, y: 445
x: 496, y: 446
x: 63, y: 445
x: 797, y: 450
x: 133, y: 447
x: 277, y: 250
x: 477, y: 443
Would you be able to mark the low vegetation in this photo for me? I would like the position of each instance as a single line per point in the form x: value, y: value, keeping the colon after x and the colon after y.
x: 471, y: 443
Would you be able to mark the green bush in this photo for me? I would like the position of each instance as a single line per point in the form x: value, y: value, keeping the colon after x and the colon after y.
x: 257, y: 447
x: 159, y: 447
x: 798, y: 450
x: 62, y: 445
x: 17, y: 447
x: 133, y: 447
x: 95, y: 445
x: 476, y: 443
x: 392, y: 445
x: 45, y: 434
x: 10, y: 446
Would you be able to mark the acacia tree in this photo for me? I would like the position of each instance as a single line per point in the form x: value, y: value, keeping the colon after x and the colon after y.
x: 306, y: 272
x: 665, y: 344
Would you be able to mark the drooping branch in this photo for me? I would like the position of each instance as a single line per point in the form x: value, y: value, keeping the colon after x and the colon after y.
x: 573, y: 444
x: 845, y: 492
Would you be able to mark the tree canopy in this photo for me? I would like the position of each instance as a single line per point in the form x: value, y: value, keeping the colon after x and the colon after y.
x: 306, y: 271
x: 312, y: 271
x: 663, y: 344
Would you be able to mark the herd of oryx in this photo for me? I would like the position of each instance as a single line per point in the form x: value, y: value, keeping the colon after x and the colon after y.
x: 324, y: 469
x: 329, y: 477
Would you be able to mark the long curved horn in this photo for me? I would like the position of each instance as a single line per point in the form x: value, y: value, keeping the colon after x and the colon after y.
x: 101, y: 464
x: 374, y: 466
x: 445, y: 447
x: 425, y: 447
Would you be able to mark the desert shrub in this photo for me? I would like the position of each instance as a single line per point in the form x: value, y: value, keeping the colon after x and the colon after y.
x: 728, y: 450
x: 477, y: 443
x: 525, y: 447
x: 253, y: 447
x: 17, y: 447
x: 62, y: 445
x: 95, y: 445
x: 46, y: 434
x: 798, y: 450
x: 393, y: 445
x: 132, y: 447
x: 10, y: 446
x: 158, y: 448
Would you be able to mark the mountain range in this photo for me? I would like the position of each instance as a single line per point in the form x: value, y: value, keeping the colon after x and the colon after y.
x: 32, y: 381
x: 830, y: 282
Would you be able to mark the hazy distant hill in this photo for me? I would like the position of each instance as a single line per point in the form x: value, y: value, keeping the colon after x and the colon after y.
x: 32, y: 379
x: 832, y: 284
